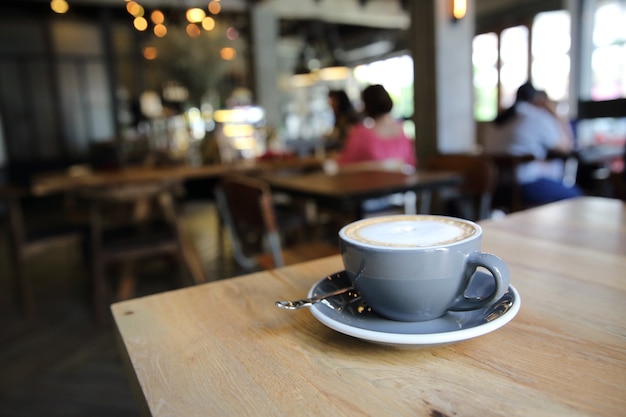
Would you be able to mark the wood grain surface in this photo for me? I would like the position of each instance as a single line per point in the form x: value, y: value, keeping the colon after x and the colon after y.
x: 223, y: 348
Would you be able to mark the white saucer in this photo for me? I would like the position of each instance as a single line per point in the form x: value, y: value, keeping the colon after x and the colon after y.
x: 350, y: 315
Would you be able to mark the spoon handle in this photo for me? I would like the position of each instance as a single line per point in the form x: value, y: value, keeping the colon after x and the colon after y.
x: 307, y: 302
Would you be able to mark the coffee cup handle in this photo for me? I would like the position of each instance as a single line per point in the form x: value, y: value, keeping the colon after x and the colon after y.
x: 499, y: 272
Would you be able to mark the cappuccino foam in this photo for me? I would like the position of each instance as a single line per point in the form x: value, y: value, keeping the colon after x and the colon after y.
x: 409, y: 231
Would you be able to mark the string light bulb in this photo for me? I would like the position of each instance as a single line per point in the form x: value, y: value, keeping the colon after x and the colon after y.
x: 195, y: 15
x: 157, y: 17
x: 215, y: 7
x: 59, y: 6
x: 193, y: 31
x: 134, y: 8
x: 140, y: 23
x: 160, y: 30
x: 208, y: 23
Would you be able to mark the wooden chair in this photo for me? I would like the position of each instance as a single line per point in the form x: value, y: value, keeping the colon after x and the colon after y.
x: 129, y: 224
x: 479, y: 182
x: 246, y: 207
x: 508, y: 192
x: 28, y: 241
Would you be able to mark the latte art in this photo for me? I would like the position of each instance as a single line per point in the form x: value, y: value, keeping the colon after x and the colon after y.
x: 409, y: 231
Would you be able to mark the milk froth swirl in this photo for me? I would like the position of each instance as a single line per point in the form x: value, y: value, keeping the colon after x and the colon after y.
x: 409, y: 231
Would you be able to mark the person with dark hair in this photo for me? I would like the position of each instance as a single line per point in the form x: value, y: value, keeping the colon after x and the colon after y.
x: 379, y: 137
x: 345, y: 117
x: 378, y: 142
x: 531, y: 126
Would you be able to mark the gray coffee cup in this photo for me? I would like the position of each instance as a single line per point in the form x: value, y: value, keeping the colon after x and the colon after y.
x: 418, y: 267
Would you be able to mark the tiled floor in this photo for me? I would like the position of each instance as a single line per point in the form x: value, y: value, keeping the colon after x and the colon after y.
x: 61, y: 364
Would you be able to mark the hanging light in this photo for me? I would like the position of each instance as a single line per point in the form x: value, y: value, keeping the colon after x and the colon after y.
x: 303, y: 76
x: 307, y: 65
x: 335, y: 70
x: 334, y: 73
x: 59, y: 6
x: 458, y: 9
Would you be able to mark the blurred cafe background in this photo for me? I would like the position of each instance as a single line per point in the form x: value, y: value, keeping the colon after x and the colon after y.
x: 197, y: 88
x: 161, y: 76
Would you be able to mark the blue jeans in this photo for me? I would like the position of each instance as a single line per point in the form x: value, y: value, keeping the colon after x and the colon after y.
x: 545, y: 190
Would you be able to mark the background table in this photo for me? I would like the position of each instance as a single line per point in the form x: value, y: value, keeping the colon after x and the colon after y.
x: 223, y: 348
x: 348, y: 189
x: 83, y: 177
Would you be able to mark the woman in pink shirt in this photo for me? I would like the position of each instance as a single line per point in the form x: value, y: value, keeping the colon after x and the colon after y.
x: 379, y: 140
x: 380, y: 136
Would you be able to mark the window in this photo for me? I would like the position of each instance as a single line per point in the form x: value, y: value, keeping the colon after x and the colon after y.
x: 550, y: 53
x: 607, y: 45
x: 602, y: 101
x: 513, y: 62
x: 396, y: 75
x: 485, y: 63
x: 503, y: 61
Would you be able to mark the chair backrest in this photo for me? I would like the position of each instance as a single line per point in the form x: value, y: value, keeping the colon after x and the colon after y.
x: 130, y: 223
x: 479, y: 178
x: 508, y: 193
x: 27, y: 241
x: 12, y: 196
x: 246, y: 207
x: 132, y: 206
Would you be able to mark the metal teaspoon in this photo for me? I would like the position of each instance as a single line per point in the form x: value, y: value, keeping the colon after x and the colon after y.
x: 307, y: 302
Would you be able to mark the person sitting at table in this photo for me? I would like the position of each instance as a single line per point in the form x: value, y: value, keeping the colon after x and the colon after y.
x: 345, y: 117
x: 379, y: 140
x: 379, y: 137
x: 532, y: 127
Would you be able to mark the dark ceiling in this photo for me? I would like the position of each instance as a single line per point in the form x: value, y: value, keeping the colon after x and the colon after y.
x: 333, y: 38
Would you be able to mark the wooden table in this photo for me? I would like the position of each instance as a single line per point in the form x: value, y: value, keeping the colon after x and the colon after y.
x: 79, y: 178
x: 223, y: 348
x: 348, y: 189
